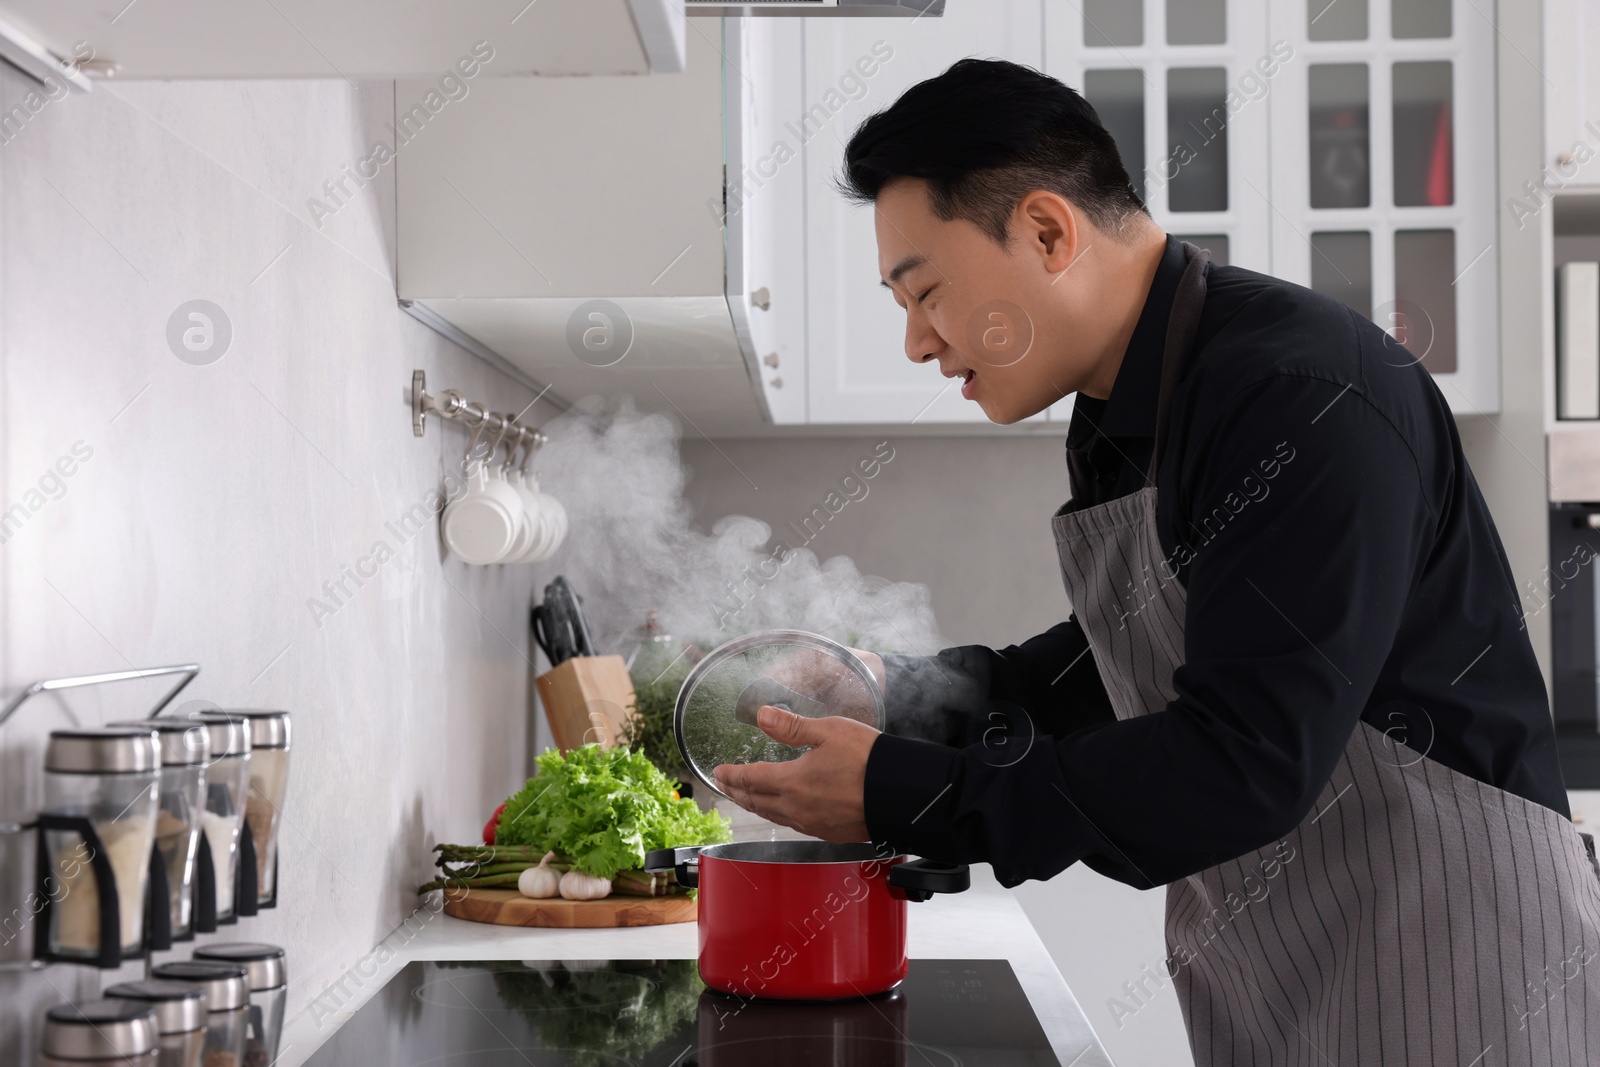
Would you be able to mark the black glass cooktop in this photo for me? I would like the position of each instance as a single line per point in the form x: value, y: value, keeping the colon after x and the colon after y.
x: 657, y: 1013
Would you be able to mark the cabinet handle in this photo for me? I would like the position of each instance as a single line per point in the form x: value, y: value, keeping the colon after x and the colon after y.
x: 776, y: 383
x: 762, y: 299
x: 771, y: 360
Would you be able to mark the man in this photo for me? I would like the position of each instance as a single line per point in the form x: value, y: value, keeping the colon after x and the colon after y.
x: 1295, y: 688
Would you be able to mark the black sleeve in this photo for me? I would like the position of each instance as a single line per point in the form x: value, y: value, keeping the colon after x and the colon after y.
x: 1046, y: 685
x: 1291, y: 612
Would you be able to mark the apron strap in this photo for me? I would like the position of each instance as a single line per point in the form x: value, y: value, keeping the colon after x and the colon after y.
x: 1182, y: 322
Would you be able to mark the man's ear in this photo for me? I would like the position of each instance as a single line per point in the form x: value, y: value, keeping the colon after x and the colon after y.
x: 1050, y: 228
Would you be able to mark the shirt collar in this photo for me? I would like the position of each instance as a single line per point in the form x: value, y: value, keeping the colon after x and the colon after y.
x: 1130, y: 411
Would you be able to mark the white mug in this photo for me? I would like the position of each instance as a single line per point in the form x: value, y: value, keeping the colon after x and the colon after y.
x: 552, y: 523
x: 529, y: 533
x: 481, y: 524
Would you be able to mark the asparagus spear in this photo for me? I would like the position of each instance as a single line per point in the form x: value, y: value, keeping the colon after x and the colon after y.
x: 499, y: 866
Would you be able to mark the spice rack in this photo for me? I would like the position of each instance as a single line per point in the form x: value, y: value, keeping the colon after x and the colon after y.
x: 33, y: 825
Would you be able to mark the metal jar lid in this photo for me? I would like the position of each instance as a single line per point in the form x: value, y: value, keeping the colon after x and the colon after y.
x: 180, y: 1007
x: 103, y: 750
x: 99, y: 1030
x: 268, y: 729
x: 183, y: 743
x: 230, y: 734
x: 264, y: 962
x: 226, y: 985
x: 714, y: 720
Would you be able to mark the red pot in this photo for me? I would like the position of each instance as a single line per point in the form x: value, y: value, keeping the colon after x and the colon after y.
x: 804, y: 920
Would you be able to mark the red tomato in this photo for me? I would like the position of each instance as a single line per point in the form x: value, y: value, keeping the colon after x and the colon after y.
x: 490, y: 826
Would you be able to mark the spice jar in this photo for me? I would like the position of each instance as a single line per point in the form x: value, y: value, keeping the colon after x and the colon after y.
x: 180, y: 1009
x: 105, y: 1032
x: 227, y: 778
x: 227, y: 993
x: 109, y: 777
x: 269, y: 783
x: 185, y: 751
x: 268, y: 977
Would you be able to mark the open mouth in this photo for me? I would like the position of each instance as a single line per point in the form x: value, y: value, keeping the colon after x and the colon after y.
x: 968, y: 381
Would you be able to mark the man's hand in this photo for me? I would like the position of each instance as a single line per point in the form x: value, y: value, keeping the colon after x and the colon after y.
x: 820, y: 793
x: 818, y: 675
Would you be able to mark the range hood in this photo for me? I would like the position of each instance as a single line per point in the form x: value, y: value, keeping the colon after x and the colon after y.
x: 836, y: 8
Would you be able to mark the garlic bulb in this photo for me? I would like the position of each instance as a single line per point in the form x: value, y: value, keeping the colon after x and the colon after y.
x: 540, y: 882
x: 575, y: 885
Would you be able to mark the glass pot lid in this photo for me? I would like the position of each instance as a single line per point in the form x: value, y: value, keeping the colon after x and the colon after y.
x: 806, y: 673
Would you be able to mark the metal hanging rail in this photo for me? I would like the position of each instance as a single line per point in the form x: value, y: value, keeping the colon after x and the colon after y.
x: 450, y: 404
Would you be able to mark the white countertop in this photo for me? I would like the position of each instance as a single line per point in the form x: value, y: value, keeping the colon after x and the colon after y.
x: 986, y: 922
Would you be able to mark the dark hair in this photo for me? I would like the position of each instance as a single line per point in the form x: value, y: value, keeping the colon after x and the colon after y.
x: 984, y: 134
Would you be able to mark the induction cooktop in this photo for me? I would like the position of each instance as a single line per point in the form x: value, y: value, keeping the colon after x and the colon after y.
x: 657, y: 1013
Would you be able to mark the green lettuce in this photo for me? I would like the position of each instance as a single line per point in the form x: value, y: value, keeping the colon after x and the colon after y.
x: 601, y: 810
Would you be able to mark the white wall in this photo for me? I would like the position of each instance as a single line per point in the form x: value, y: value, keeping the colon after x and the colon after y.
x: 1507, y: 450
x: 969, y: 517
x: 219, y: 498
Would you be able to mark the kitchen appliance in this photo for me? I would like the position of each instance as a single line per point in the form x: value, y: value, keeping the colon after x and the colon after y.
x: 227, y: 990
x: 263, y: 807
x: 227, y: 781
x: 180, y: 1018
x: 509, y: 1013
x: 268, y: 978
x: 185, y: 751
x: 559, y: 625
x: 96, y: 840
x: 803, y: 920
x: 808, y: 674
x: 121, y: 1032
x: 1569, y: 590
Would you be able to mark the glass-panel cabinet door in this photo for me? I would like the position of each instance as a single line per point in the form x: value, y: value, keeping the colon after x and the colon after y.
x: 857, y: 370
x: 1185, y: 88
x: 1383, y: 169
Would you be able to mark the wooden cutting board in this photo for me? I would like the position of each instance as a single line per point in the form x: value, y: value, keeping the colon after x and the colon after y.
x: 507, y: 907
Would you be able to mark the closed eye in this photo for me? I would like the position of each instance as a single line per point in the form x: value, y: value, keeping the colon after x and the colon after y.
x: 924, y: 294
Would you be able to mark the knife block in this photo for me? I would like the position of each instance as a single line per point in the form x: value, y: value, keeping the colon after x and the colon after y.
x: 587, y: 698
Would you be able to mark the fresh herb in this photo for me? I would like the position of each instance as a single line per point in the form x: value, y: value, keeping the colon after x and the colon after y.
x: 601, y: 810
x: 650, y: 726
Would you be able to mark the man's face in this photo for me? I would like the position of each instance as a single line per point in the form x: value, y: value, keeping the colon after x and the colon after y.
x: 974, y: 306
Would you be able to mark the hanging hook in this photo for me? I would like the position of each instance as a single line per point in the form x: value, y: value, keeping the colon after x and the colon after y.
x: 534, y: 443
x: 477, y: 435
x: 506, y: 426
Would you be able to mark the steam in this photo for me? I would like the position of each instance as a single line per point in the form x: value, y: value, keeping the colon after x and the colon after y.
x: 633, y: 549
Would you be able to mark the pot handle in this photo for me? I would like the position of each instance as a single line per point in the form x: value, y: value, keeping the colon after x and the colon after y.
x: 920, y: 879
x: 683, y: 862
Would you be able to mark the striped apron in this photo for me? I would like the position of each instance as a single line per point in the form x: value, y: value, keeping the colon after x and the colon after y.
x: 1417, y: 916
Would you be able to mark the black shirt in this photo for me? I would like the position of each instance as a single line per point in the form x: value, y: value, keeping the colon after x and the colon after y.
x: 1339, y: 564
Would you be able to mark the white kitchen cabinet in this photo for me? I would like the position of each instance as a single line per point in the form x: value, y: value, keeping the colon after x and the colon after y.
x: 354, y: 39
x: 1572, y: 99
x: 1348, y: 147
x: 1183, y: 89
x: 1383, y: 177
x: 857, y: 367
x: 764, y: 205
x: 536, y: 197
